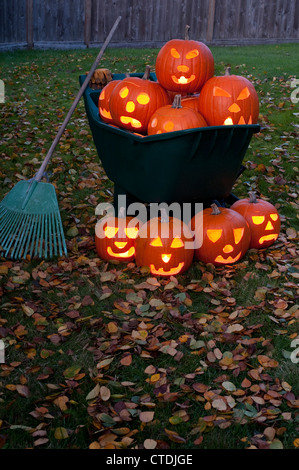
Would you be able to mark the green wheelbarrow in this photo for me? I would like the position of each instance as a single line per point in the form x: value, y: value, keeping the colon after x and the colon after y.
x: 193, y: 165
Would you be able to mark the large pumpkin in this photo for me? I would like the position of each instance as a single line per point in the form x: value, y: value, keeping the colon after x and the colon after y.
x: 165, y: 245
x: 104, y: 101
x: 134, y: 100
x: 263, y: 220
x: 174, y: 117
x: 225, y: 235
x: 183, y: 65
x: 114, y: 238
x: 228, y: 100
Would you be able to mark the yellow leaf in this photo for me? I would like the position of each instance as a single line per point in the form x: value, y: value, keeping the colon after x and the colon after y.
x: 61, y: 433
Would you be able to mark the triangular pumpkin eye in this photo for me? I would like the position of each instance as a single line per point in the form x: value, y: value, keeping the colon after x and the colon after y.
x: 244, y: 94
x: 131, y: 232
x: 274, y: 217
x: 220, y: 92
x: 214, y: 235
x: 110, y: 232
x: 174, y: 53
x: 156, y: 242
x: 177, y: 243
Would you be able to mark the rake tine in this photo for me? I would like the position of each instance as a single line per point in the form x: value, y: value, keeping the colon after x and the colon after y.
x: 13, y: 255
x: 41, y: 236
x: 10, y: 234
x: 46, y: 237
x: 54, y: 237
x: 50, y: 236
x: 29, y: 236
x: 7, y: 228
x: 26, y: 233
x: 37, y: 236
x: 33, y: 236
x: 58, y: 234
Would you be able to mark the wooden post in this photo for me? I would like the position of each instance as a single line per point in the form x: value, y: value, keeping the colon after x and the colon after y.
x: 87, y: 23
x: 29, y: 24
x: 211, y: 18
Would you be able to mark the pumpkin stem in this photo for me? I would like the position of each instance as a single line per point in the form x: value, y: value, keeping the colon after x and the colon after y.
x: 177, y: 102
x: 227, y: 71
x: 187, y: 36
x: 252, y: 197
x: 215, y: 209
x: 147, y: 72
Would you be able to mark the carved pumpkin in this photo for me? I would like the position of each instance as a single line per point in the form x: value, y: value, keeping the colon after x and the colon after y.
x: 134, y: 100
x: 174, y: 117
x: 183, y: 65
x: 104, y: 101
x: 263, y: 220
x: 225, y: 236
x: 227, y: 100
x: 165, y: 245
x: 114, y: 238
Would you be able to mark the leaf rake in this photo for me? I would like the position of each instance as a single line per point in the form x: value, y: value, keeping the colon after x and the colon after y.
x: 30, y: 221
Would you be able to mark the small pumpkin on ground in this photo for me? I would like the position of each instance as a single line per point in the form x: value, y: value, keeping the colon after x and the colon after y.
x: 229, y: 100
x: 174, y: 117
x: 225, y: 235
x: 263, y: 220
x: 114, y: 237
x: 165, y: 245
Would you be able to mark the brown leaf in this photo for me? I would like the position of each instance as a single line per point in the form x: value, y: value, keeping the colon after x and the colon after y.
x: 126, y: 360
x: 146, y: 416
x: 23, y: 390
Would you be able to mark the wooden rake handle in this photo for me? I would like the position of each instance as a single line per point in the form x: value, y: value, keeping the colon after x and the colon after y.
x: 41, y: 171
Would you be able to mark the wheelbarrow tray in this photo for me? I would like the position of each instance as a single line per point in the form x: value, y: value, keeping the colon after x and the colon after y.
x: 184, y: 166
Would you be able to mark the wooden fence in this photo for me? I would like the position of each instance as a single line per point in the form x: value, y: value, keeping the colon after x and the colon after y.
x: 145, y: 23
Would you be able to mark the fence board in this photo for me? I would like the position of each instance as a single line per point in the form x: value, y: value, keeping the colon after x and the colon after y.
x: 61, y: 23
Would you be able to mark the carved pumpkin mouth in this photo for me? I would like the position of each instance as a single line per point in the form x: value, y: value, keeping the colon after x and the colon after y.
x: 129, y: 120
x: 267, y: 238
x: 229, y: 121
x: 230, y: 259
x: 162, y: 272
x: 125, y: 254
x: 183, y: 80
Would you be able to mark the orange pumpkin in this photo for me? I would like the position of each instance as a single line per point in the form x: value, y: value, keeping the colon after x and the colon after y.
x: 165, y: 245
x: 263, y: 220
x: 228, y: 100
x: 174, y: 117
x: 114, y: 238
x: 183, y: 65
x: 225, y: 235
x: 104, y: 101
x: 191, y: 101
x: 134, y: 100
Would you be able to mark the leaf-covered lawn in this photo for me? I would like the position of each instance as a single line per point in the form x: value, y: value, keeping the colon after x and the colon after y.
x: 103, y: 355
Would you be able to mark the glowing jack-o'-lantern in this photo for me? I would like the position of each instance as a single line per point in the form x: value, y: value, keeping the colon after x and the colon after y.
x: 229, y: 100
x: 165, y: 245
x: 104, y: 101
x: 114, y: 238
x: 183, y: 65
x: 174, y: 117
x: 263, y: 220
x: 134, y: 100
x: 225, y: 236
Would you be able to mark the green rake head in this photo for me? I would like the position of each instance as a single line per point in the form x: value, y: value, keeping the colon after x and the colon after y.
x: 35, y: 229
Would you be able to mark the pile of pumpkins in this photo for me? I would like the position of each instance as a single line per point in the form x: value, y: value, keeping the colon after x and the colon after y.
x: 185, y: 74
x: 168, y: 246
x: 186, y: 94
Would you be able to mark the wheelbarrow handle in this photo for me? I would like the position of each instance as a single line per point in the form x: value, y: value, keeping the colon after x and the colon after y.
x: 40, y: 172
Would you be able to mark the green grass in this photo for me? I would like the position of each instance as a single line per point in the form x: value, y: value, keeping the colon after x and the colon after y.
x: 258, y: 293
